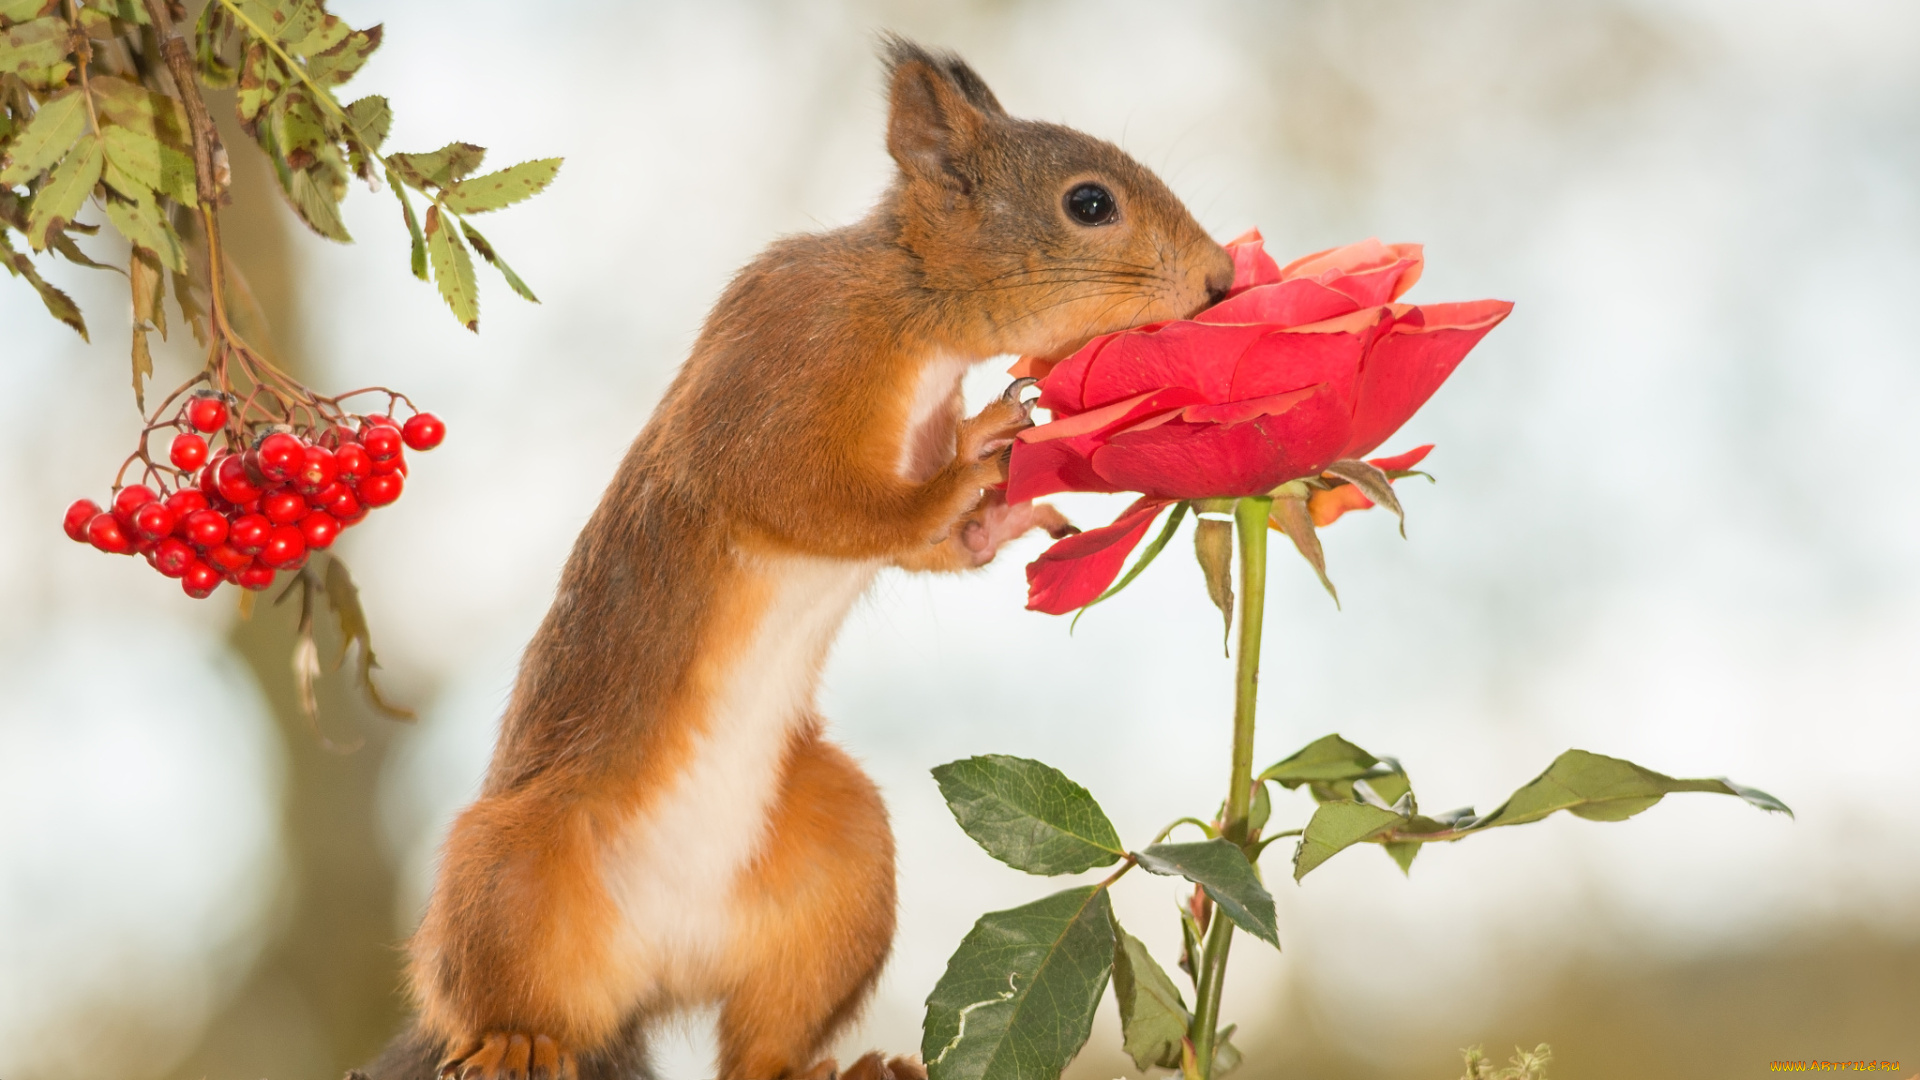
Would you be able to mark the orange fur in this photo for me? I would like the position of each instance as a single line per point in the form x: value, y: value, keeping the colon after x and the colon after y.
x: 662, y: 824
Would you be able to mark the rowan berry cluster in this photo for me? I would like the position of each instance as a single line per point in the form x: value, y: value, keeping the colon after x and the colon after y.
x: 270, y: 495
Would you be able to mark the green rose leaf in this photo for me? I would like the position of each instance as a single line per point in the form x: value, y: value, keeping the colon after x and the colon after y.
x: 1018, y: 996
x: 495, y: 190
x: 1601, y: 788
x: 45, y: 138
x: 1153, y: 1018
x: 1213, y: 546
x: 1223, y: 870
x: 1330, y: 765
x: 1028, y: 814
x: 1336, y: 826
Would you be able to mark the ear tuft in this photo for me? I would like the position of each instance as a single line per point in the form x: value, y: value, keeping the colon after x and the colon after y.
x: 938, y: 108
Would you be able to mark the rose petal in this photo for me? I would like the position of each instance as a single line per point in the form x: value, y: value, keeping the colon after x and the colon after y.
x: 1054, y: 457
x: 1401, y: 461
x: 1411, y: 360
x: 1251, y: 264
x: 1194, y: 355
x: 1179, y: 460
x: 1368, y: 254
x: 1327, y: 352
x: 1239, y: 412
x: 1283, y: 303
x: 1327, y: 506
x: 1074, y: 572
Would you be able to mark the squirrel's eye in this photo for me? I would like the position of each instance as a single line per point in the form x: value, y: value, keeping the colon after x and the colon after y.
x: 1091, y: 204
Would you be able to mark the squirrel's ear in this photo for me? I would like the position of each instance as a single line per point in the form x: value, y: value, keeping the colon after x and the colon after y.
x: 938, y: 109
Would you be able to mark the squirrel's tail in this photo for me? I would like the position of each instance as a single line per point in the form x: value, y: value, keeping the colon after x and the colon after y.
x: 414, y: 1055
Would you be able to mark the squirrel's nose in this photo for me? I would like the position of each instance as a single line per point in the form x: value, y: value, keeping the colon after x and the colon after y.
x: 1217, y: 286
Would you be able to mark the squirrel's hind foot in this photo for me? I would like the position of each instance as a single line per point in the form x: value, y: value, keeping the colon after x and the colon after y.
x: 508, y: 1056
x: 875, y: 1066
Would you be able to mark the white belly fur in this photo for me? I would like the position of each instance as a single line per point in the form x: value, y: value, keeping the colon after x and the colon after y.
x: 672, y: 868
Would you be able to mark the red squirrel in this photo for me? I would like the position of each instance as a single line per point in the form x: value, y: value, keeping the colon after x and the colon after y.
x: 664, y: 824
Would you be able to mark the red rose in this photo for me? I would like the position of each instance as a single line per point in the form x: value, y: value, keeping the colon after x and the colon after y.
x: 1300, y: 367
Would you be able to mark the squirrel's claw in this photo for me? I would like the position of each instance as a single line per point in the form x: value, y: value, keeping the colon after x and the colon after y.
x: 503, y: 1056
x: 1012, y: 393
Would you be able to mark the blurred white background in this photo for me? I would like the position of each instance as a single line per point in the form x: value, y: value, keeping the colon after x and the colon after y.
x: 1670, y: 522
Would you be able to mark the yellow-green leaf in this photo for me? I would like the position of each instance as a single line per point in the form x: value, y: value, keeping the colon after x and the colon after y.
x: 371, y: 117
x: 140, y: 221
x: 34, y: 46
x: 135, y: 154
x: 45, y: 138
x: 494, y: 260
x: 59, y: 304
x: 453, y: 270
x: 413, y: 226
x: 440, y: 168
x: 343, y: 60
x: 1213, y: 546
x: 65, y: 191
x: 504, y: 188
x: 19, y: 11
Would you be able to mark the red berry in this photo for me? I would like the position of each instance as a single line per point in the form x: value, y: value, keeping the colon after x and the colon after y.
x: 105, y: 533
x: 234, y: 484
x: 200, y: 580
x: 285, y: 546
x: 226, y: 558
x: 351, y: 463
x: 423, y: 431
x: 336, y: 499
x: 280, y: 456
x: 320, y: 528
x: 317, y: 470
x: 208, y: 414
x: 379, y: 489
x: 396, y: 463
x: 249, y: 532
x: 255, y: 577
x: 153, y: 520
x: 131, y: 498
x: 184, y: 502
x: 172, y: 557
x: 78, y: 515
x: 348, y: 521
x: 209, y: 483
x: 381, y: 441
x: 205, y: 528
x: 189, y: 451
x: 283, y: 507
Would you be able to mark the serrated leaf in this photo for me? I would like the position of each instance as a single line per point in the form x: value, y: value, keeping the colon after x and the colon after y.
x: 504, y: 188
x: 142, y: 369
x: 413, y: 226
x: 1230, y: 880
x: 1403, y: 852
x: 452, y: 270
x: 1601, y: 788
x: 140, y: 221
x: 1213, y: 546
x: 1153, y: 1018
x: 1018, y: 996
x: 58, y: 304
x: 33, y: 46
x: 65, y: 191
x: 135, y: 154
x: 344, y: 598
x: 1028, y: 814
x: 494, y: 260
x: 211, y: 36
x: 1290, y: 516
x: 147, y: 284
x: 59, y: 241
x: 262, y: 78
x: 316, y: 204
x: 342, y: 61
x: 46, y: 138
x: 371, y: 116
x: 439, y: 168
x: 19, y: 11
x: 1373, y: 483
x: 1336, y: 826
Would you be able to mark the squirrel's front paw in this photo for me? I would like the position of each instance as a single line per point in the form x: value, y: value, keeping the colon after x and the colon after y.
x: 996, y: 521
x: 505, y: 1055
x: 986, y: 436
x: 876, y: 1066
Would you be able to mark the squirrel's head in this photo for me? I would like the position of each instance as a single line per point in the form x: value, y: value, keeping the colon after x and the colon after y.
x: 1049, y: 235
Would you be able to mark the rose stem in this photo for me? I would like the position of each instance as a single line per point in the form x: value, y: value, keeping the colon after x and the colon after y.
x: 1250, y: 516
